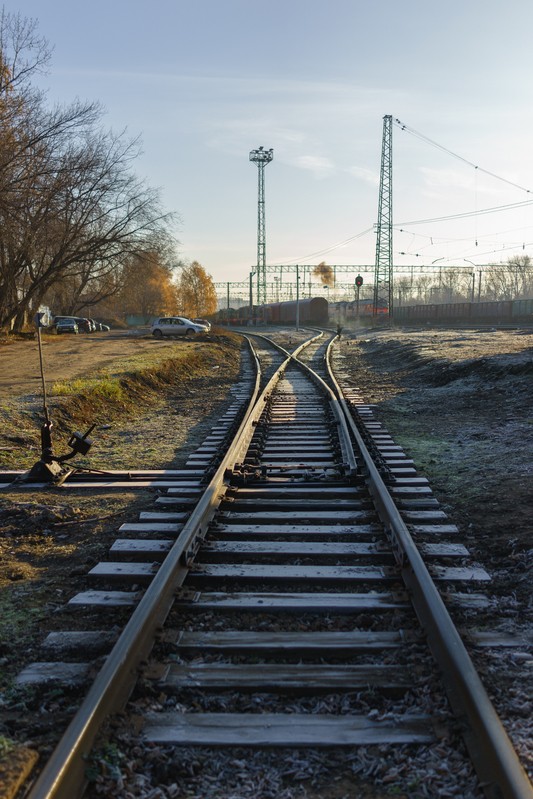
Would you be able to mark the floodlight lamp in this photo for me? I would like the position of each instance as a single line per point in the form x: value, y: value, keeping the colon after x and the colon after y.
x: 262, y: 156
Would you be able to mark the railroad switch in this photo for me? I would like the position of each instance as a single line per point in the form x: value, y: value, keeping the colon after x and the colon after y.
x: 50, y: 468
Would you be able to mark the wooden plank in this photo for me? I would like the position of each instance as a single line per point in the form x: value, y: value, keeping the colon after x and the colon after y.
x: 266, y: 643
x: 390, y: 448
x: 444, y: 550
x: 318, y: 549
x: 286, y: 602
x: 189, y: 490
x: 296, y: 503
x: 411, y: 481
x: 467, y: 601
x: 315, y: 438
x: 43, y: 673
x: 285, y: 730
x: 201, y: 572
x: 280, y: 517
x: 156, y: 549
x: 289, y: 447
x: 293, y: 677
x: 124, y: 572
x: 72, y: 642
x: 294, y: 549
x: 106, y: 599
x: 427, y: 503
x: 434, y: 529
x: 309, y: 530
x: 459, y: 573
x: 150, y: 527
x: 301, y: 464
x: 401, y: 471
x: 409, y: 491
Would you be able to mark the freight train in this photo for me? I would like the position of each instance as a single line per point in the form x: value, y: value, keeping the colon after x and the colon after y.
x: 351, y: 310
x: 312, y: 311
x: 501, y: 312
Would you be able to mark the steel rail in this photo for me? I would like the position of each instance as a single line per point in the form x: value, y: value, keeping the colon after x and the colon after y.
x: 63, y: 774
x: 493, y: 755
x: 344, y: 433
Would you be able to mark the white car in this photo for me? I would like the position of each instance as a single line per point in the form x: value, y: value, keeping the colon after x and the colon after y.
x: 176, y: 326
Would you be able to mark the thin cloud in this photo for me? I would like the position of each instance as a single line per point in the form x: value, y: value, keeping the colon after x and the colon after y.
x: 320, y: 167
x: 366, y: 175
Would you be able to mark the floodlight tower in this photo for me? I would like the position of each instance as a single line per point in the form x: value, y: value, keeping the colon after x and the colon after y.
x: 383, y: 276
x: 261, y: 157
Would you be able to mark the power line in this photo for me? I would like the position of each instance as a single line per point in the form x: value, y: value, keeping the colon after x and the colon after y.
x: 441, y: 147
x: 468, y: 214
x: 328, y: 249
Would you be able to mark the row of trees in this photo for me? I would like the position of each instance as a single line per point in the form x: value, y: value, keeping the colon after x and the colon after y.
x: 77, y: 226
x: 150, y: 288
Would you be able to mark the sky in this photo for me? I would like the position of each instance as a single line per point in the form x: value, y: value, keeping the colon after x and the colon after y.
x: 204, y: 82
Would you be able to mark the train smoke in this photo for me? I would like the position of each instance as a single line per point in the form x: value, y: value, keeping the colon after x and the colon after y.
x: 324, y: 273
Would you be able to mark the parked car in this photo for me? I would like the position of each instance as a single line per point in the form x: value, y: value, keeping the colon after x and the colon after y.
x: 176, y: 326
x: 84, y: 325
x: 66, y: 325
x: 57, y: 319
x: 203, y: 322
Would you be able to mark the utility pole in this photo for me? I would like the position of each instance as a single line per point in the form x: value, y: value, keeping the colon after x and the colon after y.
x: 383, y: 276
x: 261, y: 157
x: 297, y: 298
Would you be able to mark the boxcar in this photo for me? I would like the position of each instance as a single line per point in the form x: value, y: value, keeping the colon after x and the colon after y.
x: 313, y: 310
x: 522, y: 309
x: 492, y: 310
x: 499, y: 311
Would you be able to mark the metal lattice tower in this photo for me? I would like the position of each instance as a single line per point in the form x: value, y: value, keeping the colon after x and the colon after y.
x: 383, y: 276
x: 261, y: 157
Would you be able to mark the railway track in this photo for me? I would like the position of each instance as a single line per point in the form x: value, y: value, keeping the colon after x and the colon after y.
x: 287, y: 581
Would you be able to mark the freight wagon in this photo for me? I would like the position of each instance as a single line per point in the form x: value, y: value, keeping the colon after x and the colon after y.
x: 502, y: 311
x: 312, y: 310
x: 352, y: 309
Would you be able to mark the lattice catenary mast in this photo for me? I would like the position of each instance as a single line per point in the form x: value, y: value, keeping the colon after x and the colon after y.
x: 383, y: 276
x: 261, y: 157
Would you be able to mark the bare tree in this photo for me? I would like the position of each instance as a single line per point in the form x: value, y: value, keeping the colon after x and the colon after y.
x: 510, y: 281
x: 71, y: 208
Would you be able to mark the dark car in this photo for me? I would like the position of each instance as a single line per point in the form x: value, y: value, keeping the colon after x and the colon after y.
x: 66, y: 325
x: 84, y: 325
x: 57, y: 319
